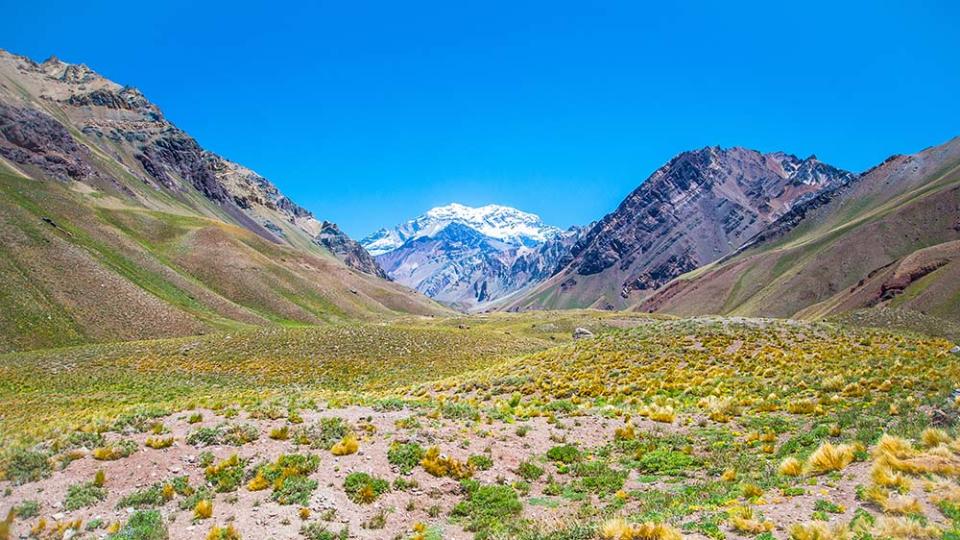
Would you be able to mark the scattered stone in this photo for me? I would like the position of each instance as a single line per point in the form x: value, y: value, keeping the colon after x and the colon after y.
x: 955, y: 349
x: 582, y: 333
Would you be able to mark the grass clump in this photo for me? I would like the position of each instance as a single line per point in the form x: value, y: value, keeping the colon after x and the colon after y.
x: 827, y: 458
x: 405, y: 456
x: 27, y: 509
x: 363, y: 488
x: 619, y: 529
x: 597, y: 477
x: 319, y: 531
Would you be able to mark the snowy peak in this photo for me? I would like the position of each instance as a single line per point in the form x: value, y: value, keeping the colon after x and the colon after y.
x: 503, y: 223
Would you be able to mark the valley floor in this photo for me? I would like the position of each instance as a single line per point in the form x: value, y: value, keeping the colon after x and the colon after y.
x: 494, y: 426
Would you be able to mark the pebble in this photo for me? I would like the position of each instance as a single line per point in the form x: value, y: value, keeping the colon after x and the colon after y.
x: 58, y: 516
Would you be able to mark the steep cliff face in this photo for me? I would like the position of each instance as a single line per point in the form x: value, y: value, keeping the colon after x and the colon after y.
x: 694, y: 210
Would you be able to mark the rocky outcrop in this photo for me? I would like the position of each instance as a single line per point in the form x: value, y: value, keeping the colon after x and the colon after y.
x: 348, y: 250
x: 32, y: 138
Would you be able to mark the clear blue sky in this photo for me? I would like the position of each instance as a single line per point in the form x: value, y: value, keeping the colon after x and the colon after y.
x: 370, y: 113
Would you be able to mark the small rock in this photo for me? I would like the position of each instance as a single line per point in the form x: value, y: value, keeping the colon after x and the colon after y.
x: 955, y: 349
x: 582, y: 333
x: 69, y: 533
x: 58, y: 516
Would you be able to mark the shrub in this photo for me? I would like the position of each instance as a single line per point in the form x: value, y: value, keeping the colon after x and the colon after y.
x: 223, y: 533
x: 28, y: 466
x: 529, y: 471
x: 83, y: 495
x: 121, y: 449
x: 323, y: 434
x: 363, y: 488
x: 348, y: 445
x: 203, y: 509
x: 142, y: 525
x: 405, y: 456
x: 226, y: 475
x: 294, y: 490
x: 481, y: 462
x: 280, y: 433
x: 27, y: 509
x: 565, y: 453
x: 158, y: 443
x: 666, y: 461
x: 598, y: 477
x: 487, y: 506
x: 439, y: 464
x: 151, y: 496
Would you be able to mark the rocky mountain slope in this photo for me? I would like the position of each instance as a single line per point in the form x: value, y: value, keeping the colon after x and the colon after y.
x: 117, y: 224
x: 469, y: 257
x: 699, y: 207
x: 890, y: 239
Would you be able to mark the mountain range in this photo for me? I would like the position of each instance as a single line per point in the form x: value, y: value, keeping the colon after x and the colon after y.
x: 469, y: 257
x: 115, y: 224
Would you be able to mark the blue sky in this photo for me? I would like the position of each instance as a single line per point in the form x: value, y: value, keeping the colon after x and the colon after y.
x: 369, y: 113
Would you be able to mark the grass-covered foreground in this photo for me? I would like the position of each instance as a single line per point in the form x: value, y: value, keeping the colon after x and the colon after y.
x: 488, y: 427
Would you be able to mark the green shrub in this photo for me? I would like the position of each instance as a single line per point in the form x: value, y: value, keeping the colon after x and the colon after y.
x: 28, y: 466
x: 565, y: 453
x: 666, y: 461
x: 487, y: 506
x: 529, y: 471
x: 27, y: 509
x: 151, y: 496
x: 363, y: 488
x: 294, y: 490
x: 323, y: 434
x: 227, y: 474
x: 83, y: 495
x: 597, y: 477
x: 481, y: 462
x: 319, y: 531
x: 405, y: 456
x: 143, y: 525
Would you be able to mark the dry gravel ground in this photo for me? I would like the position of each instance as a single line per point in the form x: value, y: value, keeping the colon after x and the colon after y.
x: 256, y: 516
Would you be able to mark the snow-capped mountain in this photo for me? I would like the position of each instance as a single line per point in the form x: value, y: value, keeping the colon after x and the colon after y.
x: 503, y: 223
x: 468, y: 257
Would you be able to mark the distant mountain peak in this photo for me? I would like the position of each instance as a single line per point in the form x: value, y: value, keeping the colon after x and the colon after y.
x: 503, y: 223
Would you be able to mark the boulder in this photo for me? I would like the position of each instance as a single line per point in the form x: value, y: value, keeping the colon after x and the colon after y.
x: 582, y: 333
